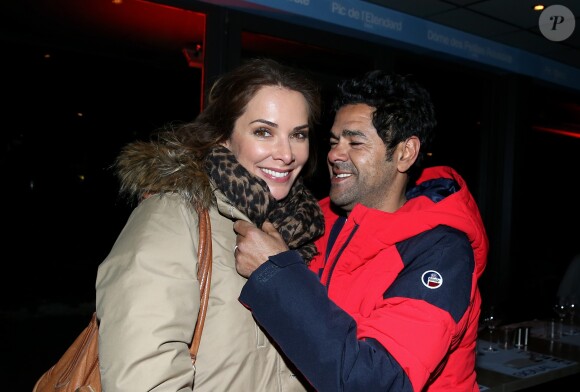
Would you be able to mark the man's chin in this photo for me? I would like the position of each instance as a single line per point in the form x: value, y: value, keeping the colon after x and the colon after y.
x: 340, y: 202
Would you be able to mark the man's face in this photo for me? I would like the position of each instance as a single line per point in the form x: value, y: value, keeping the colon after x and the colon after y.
x: 359, y: 171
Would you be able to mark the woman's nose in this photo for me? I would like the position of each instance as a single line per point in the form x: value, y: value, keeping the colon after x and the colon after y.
x: 284, y: 152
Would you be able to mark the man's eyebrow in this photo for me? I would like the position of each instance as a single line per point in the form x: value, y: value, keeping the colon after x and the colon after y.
x: 348, y: 133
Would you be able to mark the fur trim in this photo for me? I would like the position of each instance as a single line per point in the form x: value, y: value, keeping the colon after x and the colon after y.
x: 145, y: 168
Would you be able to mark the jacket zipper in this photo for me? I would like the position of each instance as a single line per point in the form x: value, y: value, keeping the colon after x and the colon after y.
x: 335, y: 261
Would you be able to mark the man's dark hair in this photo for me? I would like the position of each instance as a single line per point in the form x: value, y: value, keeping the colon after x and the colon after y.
x: 403, y: 108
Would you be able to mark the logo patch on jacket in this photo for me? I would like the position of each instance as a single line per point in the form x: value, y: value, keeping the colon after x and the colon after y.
x: 432, y: 279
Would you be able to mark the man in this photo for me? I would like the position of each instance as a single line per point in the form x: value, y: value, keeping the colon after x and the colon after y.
x: 399, y: 304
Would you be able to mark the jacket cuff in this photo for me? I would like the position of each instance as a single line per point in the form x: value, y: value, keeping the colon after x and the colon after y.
x: 271, y: 267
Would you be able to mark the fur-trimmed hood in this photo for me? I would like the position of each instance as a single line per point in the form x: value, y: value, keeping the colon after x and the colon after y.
x: 164, y: 165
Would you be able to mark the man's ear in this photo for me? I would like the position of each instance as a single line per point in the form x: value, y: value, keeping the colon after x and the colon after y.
x: 408, y: 153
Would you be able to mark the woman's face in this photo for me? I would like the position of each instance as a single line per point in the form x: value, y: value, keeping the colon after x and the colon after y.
x: 270, y: 139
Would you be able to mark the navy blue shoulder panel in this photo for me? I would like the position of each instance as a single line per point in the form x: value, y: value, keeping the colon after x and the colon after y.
x: 436, y: 189
x: 438, y: 268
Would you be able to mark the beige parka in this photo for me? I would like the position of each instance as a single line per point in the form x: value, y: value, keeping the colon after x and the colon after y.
x: 147, y: 297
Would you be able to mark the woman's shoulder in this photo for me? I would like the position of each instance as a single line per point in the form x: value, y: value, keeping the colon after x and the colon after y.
x: 167, y: 210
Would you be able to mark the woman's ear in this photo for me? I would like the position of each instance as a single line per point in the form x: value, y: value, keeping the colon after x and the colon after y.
x: 408, y: 153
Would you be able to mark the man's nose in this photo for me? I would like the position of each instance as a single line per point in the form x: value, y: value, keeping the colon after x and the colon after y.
x: 338, y: 152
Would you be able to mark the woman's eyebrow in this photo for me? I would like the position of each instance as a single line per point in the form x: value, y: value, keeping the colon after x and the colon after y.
x: 270, y: 123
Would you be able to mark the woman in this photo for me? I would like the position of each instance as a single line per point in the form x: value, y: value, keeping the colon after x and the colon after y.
x: 243, y: 157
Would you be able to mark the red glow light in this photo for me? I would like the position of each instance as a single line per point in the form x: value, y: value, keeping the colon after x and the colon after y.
x: 558, y: 131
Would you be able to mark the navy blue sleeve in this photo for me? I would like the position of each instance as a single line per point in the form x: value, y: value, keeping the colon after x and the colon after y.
x: 439, y: 265
x: 291, y: 304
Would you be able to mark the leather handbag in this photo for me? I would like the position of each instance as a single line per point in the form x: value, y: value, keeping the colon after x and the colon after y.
x: 78, y: 369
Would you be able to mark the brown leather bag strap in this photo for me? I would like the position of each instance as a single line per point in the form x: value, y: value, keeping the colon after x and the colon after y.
x: 204, y: 255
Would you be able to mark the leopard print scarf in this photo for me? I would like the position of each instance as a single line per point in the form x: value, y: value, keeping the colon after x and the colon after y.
x: 297, y: 217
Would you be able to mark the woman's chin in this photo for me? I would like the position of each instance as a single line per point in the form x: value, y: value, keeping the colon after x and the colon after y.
x: 279, y: 192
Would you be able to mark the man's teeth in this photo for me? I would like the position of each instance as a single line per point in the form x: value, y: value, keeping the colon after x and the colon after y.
x: 343, y: 175
x: 275, y: 173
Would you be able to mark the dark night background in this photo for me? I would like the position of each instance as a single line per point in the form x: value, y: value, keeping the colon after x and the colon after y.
x: 66, y: 117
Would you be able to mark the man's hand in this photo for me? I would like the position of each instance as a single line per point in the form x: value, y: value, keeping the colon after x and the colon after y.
x: 254, y: 246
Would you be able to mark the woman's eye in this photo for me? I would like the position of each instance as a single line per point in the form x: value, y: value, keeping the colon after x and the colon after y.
x: 262, y: 132
x: 300, y: 135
